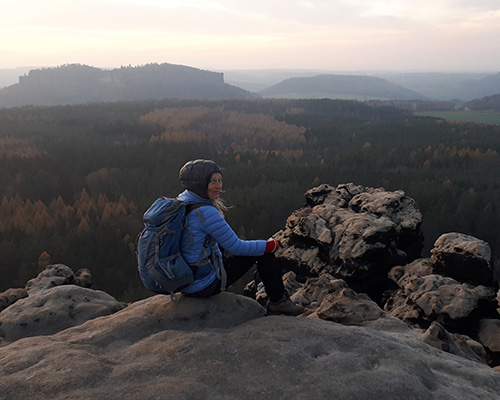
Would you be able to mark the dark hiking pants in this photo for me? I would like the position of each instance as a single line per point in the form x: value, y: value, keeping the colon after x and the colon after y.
x: 236, y: 266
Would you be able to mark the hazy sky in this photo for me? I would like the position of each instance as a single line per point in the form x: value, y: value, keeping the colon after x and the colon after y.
x: 337, y: 35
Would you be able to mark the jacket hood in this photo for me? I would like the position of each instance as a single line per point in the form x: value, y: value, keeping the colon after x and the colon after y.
x: 188, y: 196
x: 195, y: 176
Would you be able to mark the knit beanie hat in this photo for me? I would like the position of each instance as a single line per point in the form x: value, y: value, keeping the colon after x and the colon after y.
x: 195, y: 176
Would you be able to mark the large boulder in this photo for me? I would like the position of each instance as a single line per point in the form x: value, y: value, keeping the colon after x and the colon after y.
x: 437, y: 336
x: 489, y: 334
x: 328, y: 298
x: 57, y: 275
x: 425, y: 296
x: 454, y: 286
x: 10, y: 296
x: 354, y: 233
x: 55, y: 300
x: 53, y: 310
x: 464, y: 257
x: 223, y: 348
x: 452, y: 291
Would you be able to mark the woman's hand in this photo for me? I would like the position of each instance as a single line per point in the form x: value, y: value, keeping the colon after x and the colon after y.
x: 271, y: 246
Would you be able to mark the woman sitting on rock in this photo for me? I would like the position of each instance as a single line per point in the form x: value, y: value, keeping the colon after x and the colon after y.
x: 207, y: 230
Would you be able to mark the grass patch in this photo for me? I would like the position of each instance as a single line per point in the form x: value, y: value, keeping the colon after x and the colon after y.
x: 323, y: 95
x: 483, y: 117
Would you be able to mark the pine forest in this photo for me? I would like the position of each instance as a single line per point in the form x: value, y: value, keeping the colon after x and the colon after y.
x: 75, y: 180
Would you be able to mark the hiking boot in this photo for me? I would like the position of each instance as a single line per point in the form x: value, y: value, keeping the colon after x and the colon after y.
x: 284, y: 306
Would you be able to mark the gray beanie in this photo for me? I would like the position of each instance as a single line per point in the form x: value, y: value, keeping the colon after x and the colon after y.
x: 195, y: 176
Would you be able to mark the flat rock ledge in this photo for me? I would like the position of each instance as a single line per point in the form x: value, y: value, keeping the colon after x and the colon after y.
x: 225, y: 347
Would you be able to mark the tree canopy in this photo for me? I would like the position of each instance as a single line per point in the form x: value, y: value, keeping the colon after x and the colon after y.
x: 77, y: 179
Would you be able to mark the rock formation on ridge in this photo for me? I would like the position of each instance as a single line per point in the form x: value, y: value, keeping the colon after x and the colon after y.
x: 81, y: 84
x: 359, y: 247
x: 354, y: 233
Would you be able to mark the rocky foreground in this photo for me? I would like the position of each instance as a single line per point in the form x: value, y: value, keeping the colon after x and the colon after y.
x: 380, y: 322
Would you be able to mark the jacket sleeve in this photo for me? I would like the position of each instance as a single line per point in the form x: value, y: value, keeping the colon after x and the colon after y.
x: 218, y: 229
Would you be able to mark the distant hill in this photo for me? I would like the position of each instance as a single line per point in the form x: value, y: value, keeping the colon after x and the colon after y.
x: 489, y: 103
x: 79, y: 84
x: 490, y: 85
x: 358, y: 87
x: 259, y: 79
x: 447, y: 86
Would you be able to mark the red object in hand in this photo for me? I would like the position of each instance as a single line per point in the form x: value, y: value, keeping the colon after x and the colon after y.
x: 271, y: 246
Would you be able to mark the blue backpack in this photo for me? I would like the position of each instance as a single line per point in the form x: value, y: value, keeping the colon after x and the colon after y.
x: 161, y: 265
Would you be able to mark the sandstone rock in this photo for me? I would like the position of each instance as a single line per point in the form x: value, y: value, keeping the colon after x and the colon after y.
x: 401, y: 210
x: 10, y: 296
x: 331, y: 299
x: 444, y: 298
x: 401, y: 307
x: 339, y: 196
x: 221, y: 348
x: 426, y: 296
x: 354, y: 233
x: 56, y: 275
x: 421, y: 267
x: 464, y: 258
x: 48, y: 311
x: 313, y: 292
x: 348, y: 307
x: 83, y: 278
x: 460, y: 345
x: 159, y: 313
x: 370, y: 240
x: 489, y: 334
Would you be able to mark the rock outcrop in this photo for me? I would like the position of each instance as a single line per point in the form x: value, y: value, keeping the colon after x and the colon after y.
x: 354, y: 233
x: 57, y: 275
x: 53, y: 301
x: 10, y: 296
x: 224, y: 348
x: 358, y: 249
x: 381, y: 322
x: 464, y: 258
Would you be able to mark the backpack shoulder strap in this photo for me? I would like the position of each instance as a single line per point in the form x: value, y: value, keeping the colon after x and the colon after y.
x: 195, y: 206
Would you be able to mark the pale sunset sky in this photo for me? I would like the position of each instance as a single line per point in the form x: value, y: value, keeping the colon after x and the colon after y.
x: 335, y: 35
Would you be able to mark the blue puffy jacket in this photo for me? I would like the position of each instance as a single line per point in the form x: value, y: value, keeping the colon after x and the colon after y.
x: 213, y: 225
